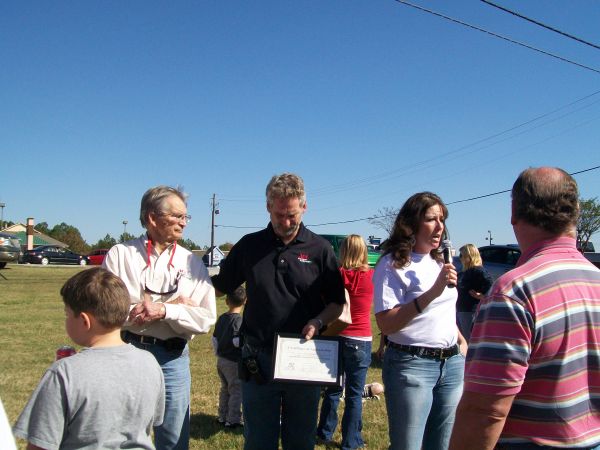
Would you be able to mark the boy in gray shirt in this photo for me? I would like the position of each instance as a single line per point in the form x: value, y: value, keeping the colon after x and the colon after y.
x: 107, y: 396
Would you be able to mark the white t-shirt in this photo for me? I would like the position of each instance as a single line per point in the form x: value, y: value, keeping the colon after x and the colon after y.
x: 436, y: 325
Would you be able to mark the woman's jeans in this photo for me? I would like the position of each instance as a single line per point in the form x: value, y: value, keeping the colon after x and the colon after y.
x: 421, y: 396
x: 464, y: 320
x: 356, y: 357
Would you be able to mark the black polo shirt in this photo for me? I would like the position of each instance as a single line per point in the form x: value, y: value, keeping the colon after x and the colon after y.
x: 286, y: 285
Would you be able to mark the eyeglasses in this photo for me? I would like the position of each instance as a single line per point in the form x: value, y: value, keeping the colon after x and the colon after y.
x: 169, y: 292
x: 178, y: 217
x: 171, y: 289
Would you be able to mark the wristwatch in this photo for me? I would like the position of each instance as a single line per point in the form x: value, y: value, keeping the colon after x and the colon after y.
x: 320, y: 322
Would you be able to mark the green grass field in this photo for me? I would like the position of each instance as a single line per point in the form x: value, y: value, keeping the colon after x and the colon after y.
x: 32, y: 328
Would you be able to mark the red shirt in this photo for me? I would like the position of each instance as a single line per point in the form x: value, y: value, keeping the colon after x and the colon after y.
x: 359, y: 284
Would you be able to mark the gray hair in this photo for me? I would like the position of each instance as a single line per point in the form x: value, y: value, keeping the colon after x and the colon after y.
x: 286, y: 185
x: 154, y: 200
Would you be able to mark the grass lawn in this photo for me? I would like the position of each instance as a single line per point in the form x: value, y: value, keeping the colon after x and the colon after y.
x: 32, y: 328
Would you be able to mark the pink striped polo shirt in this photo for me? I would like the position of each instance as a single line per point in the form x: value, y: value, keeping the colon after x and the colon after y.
x: 537, y: 336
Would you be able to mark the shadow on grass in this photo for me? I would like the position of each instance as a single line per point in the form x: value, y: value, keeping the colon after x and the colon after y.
x: 376, y: 363
x: 203, y: 426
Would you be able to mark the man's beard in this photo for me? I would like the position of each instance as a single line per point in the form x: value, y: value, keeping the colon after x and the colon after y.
x: 287, y: 232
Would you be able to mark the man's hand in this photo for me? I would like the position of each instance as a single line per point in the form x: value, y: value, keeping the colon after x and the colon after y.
x: 181, y: 300
x: 147, y: 312
x: 311, y: 328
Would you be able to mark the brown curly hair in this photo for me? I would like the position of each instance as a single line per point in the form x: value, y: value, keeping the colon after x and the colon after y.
x: 402, y: 239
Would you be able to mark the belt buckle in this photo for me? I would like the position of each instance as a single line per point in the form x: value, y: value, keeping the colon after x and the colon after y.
x: 147, y: 340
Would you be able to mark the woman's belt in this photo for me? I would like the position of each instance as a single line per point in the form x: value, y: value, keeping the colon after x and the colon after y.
x: 427, y: 352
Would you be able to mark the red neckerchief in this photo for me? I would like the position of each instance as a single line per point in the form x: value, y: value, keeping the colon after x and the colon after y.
x: 149, y: 251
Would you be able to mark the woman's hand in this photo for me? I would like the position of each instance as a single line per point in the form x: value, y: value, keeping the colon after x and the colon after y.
x: 463, y: 345
x: 478, y: 295
x: 447, y: 276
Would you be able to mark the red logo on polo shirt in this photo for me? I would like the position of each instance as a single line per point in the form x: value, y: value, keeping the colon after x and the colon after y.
x: 303, y: 258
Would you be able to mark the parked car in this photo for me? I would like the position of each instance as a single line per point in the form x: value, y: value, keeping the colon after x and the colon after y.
x: 497, y: 259
x: 52, y: 254
x: 336, y: 240
x: 97, y: 256
x: 10, y: 249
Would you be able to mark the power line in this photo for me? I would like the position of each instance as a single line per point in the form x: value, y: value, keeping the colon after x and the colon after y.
x: 522, y: 44
x: 514, y: 13
x: 387, y: 215
x: 394, y: 173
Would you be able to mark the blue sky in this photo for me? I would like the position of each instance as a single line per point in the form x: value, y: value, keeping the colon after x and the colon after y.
x: 369, y: 101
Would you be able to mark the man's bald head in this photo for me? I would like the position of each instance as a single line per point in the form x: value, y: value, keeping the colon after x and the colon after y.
x: 547, y: 198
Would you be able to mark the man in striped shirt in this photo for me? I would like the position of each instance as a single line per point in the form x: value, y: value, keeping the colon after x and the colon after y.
x: 532, y: 378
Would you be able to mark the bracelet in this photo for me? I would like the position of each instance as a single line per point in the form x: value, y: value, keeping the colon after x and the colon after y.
x: 320, y: 322
x: 417, y: 307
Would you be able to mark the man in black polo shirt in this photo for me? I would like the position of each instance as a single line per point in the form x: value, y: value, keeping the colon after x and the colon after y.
x: 293, y: 285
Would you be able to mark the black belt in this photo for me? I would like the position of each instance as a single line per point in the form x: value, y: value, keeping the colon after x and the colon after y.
x: 170, y: 344
x: 427, y: 352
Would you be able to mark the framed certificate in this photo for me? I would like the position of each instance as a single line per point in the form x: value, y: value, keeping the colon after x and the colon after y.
x: 314, y: 361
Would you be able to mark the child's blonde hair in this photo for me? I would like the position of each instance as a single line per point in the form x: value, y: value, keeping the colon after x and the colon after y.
x: 353, y: 253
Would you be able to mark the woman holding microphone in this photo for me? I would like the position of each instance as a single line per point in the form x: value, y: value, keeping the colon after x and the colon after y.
x: 415, y: 306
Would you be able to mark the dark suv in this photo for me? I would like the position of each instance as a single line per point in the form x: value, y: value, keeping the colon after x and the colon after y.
x: 499, y: 259
x: 10, y: 249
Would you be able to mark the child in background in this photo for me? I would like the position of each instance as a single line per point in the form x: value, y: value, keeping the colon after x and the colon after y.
x: 226, y: 345
x: 110, y: 394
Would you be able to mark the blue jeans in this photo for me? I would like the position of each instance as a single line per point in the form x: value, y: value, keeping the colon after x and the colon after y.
x: 174, y: 433
x: 356, y: 358
x: 464, y: 320
x: 272, y: 408
x: 421, y: 396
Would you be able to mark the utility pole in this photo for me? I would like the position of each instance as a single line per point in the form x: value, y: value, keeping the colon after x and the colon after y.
x: 490, y: 237
x: 214, y: 207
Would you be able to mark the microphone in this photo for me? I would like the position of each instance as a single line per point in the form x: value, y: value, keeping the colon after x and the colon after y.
x: 447, y: 251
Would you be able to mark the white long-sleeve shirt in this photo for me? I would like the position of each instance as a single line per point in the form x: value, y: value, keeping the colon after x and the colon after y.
x: 176, y: 267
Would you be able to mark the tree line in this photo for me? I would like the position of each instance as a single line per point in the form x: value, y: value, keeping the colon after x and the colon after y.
x: 71, y: 236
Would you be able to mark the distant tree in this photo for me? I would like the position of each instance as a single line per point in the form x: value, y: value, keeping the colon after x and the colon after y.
x: 106, y: 242
x: 226, y: 246
x: 42, y: 227
x: 589, y: 220
x: 126, y: 237
x: 385, y: 218
x: 70, y: 236
x: 189, y: 244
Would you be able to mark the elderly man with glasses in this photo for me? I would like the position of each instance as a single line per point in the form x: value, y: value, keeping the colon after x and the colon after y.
x: 172, y: 300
